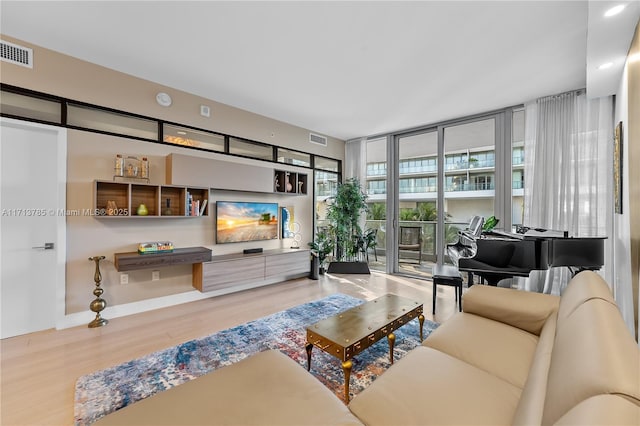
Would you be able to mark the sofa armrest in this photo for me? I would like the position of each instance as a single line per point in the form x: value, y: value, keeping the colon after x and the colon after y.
x: 525, y: 310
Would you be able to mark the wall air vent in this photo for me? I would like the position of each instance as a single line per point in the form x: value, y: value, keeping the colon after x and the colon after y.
x: 320, y: 140
x: 15, y: 54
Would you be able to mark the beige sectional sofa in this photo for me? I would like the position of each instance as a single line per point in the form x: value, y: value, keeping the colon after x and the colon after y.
x: 511, y: 357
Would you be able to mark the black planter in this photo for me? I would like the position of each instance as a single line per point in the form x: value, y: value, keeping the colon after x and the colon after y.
x: 348, y: 268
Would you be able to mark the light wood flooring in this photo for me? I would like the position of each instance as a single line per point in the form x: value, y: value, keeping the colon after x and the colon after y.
x: 39, y: 370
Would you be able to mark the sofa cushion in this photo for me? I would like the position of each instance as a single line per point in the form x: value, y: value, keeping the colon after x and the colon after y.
x: 525, y: 310
x: 499, y: 349
x: 603, y: 410
x: 531, y: 405
x: 593, y: 354
x: 268, y: 388
x: 585, y: 286
x: 429, y: 387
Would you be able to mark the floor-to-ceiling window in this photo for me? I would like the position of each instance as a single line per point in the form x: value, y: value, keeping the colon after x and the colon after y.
x: 376, y: 190
x: 326, y: 178
x: 417, y: 201
x: 517, y: 167
x: 440, y: 177
x: 470, y: 165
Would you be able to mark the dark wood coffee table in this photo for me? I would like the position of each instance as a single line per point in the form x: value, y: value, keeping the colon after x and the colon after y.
x: 347, y: 334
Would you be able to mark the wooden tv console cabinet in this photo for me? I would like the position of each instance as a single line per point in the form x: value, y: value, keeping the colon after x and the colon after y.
x: 254, y: 269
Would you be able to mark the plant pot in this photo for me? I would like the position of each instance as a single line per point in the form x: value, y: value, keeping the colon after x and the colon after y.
x: 348, y: 268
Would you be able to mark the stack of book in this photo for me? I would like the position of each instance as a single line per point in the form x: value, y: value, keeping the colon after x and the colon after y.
x: 155, y: 247
x: 195, y: 207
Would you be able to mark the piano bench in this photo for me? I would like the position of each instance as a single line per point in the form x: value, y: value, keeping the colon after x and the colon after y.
x: 447, y: 275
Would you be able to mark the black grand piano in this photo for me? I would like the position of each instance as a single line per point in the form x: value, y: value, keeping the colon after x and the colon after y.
x: 503, y: 255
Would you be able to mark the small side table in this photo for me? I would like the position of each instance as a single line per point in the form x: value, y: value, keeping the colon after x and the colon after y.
x: 447, y: 275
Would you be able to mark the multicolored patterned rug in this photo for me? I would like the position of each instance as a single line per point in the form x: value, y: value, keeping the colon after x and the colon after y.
x: 105, y: 391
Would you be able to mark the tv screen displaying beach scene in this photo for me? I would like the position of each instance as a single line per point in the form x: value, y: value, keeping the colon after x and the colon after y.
x: 238, y: 221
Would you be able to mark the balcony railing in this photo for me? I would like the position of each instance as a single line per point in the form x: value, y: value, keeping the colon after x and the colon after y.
x: 477, y: 164
x: 469, y: 187
x: 377, y: 172
x: 429, y: 252
x: 418, y: 169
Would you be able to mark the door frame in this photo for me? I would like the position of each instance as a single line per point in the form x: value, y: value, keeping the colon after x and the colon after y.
x: 61, y: 203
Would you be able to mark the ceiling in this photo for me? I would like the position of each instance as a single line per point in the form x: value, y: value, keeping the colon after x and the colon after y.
x: 343, y: 69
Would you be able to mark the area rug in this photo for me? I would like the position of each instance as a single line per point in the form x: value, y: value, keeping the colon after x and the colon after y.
x: 105, y: 391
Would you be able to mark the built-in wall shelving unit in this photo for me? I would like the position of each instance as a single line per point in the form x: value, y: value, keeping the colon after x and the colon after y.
x: 286, y: 182
x: 122, y: 200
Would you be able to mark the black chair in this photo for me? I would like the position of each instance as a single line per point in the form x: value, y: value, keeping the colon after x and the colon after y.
x: 410, y: 238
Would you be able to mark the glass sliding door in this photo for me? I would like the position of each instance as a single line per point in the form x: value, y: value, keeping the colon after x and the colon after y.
x: 470, y: 175
x: 426, y: 184
x: 417, y: 202
x: 430, y: 212
x: 376, y: 189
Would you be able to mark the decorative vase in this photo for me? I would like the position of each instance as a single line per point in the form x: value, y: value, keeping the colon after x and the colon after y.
x: 287, y: 183
x: 167, y: 209
x: 98, y: 304
x: 142, y: 210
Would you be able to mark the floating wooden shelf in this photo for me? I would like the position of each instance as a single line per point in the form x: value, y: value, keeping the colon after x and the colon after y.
x: 133, y: 261
x: 128, y: 196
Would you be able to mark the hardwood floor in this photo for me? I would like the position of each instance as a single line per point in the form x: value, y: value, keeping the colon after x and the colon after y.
x: 39, y: 370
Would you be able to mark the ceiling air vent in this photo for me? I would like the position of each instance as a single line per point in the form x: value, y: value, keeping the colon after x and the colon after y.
x: 15, y: 54
x: 320, y: 140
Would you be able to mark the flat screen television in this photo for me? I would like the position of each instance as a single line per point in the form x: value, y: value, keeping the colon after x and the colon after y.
x: 238, y: 221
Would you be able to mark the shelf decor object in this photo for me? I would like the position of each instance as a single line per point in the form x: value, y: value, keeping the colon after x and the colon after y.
x: 155, y: 247
x: 131, y: 167
x: 98, y: 304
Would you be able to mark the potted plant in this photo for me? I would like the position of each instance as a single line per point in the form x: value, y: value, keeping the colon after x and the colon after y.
x: 344, y: 216
x: 322, y: 246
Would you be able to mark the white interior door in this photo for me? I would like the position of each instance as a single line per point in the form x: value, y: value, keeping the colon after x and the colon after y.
x: 32, y: 226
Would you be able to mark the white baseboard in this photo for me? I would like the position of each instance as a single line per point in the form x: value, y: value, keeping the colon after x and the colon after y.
x: 85, y: 317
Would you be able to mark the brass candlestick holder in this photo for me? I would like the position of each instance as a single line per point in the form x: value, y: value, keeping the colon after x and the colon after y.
x: 99, y: 303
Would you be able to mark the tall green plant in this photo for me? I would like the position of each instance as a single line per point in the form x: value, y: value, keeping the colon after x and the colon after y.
x: 344, y: 216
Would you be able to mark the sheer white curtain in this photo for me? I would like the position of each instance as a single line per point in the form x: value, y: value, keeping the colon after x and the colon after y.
x: 568, y: 176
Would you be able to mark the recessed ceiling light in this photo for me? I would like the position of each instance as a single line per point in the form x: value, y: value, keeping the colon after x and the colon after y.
x: 180, y: 132
x: 614, y: 10
x: 605, y: 66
